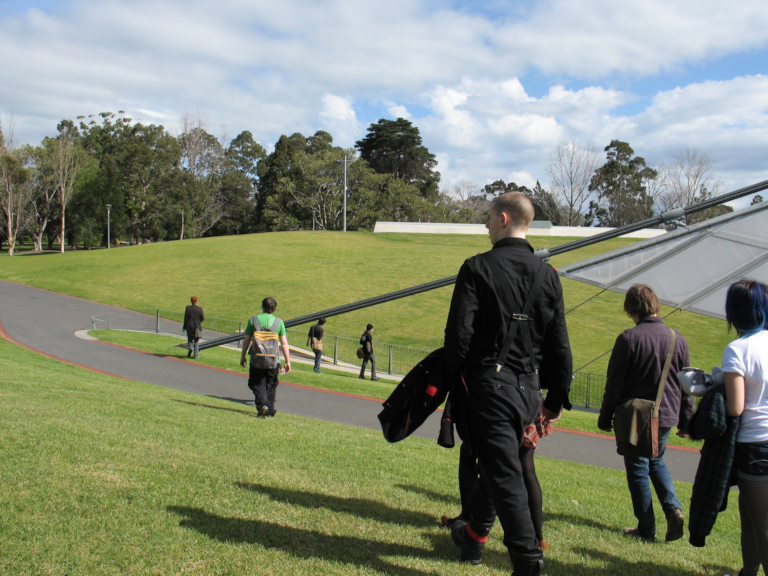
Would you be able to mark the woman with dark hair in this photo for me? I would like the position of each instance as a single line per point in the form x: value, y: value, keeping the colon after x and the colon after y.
x: 745, y: 364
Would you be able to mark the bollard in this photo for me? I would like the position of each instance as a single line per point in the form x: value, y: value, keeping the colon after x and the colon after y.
x: 335, y: 350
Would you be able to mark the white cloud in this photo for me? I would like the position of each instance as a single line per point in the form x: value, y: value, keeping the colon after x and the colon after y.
x: 339, y: 119
x: 463, y: 77
x: 398, y: 111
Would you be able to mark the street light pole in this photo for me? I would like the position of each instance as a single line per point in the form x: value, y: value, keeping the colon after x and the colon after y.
x: 109, y: 239
x: 345, y: 191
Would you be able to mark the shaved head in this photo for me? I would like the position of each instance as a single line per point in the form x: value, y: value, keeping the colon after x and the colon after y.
x: 518, y: 206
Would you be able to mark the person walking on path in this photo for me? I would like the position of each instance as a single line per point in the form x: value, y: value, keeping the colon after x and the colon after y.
x: 315, y: 341
x: 366, y: 341
x: 193, y: 324
x: 745, y: 362
x: 507, y: 338
x: 634, y: 371
x: 263, y: 372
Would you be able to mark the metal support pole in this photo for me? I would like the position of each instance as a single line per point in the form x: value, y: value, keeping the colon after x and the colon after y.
x: 390, y: 360
x: 157, y: 321
x: 109, y: 235
x: 335, y: 350
x: 588, y: 391
x: 345, y: 193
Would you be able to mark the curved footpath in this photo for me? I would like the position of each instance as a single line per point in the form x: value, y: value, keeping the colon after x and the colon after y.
x: 46, y: 321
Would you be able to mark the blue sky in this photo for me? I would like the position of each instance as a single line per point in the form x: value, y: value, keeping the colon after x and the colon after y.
x: 494, y: 87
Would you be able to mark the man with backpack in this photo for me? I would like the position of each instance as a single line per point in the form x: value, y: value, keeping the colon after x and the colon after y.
x: 506, y: 337
x: 264, y: 335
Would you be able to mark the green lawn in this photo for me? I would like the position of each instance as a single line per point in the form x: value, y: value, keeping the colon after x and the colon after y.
x: 311, y: 271
x: 105, y: 476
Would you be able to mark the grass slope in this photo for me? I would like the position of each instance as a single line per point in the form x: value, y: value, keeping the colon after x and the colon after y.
x: 106, y: 476
x: 311, y: 271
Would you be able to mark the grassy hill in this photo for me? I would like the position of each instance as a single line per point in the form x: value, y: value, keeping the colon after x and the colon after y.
x: 311, y: 271
x: 105, y: 476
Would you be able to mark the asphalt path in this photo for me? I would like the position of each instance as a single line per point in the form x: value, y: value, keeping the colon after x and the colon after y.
x: 47, y: 322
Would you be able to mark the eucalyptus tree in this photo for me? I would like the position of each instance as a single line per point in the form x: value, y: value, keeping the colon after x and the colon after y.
x: 43, y: 209
x: 67, y: 157
x: 15, y: 191
x: 199, y: 200
x: 621, y: 188
x: 279, y: 171
x: 238, y: 185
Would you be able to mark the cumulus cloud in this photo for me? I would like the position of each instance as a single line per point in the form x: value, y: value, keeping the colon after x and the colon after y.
x: 339, y: 119
x: 470, y: 79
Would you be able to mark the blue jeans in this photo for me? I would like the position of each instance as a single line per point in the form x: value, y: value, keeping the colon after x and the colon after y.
x: 318, y: 356
x: 638, y: 472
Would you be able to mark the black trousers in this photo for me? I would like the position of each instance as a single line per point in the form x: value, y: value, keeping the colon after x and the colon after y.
x: 263, y: 384
x: 501, y: 405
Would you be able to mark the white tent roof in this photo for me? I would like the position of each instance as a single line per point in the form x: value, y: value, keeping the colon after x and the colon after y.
x: 690, y: 268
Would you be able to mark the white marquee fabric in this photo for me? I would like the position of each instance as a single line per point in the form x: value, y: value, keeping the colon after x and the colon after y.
x: 690, y: 268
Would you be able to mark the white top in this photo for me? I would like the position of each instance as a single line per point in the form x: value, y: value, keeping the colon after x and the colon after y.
x: 749, y: 358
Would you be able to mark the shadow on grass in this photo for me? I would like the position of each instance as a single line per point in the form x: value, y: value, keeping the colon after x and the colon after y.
x: 243, y: 402
x: 613, y: 565
x: 358, y: 507
x: 578, y: 521
x: 432, y: 495
x: 300, y: 543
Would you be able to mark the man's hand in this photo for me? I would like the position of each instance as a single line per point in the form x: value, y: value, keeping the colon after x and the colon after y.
x: 682, y: 434
x: 287, y: 367
x: 242, y: 361
x: 548, y: 417
x: 605, y: 425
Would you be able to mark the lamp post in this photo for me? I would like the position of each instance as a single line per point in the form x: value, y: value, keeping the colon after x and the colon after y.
x: 109, y: 239
x: 345, y: 191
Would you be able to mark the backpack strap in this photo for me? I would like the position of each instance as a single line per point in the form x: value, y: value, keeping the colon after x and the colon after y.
x: 665, y: 373
x: 519, y: 318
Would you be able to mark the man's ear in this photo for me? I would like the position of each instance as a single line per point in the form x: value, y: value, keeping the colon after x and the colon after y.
x: 505, y: 219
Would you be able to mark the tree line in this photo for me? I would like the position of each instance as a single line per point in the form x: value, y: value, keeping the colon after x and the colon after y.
x: 159, y: 186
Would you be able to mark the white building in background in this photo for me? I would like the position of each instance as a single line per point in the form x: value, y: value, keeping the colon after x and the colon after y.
x: 538, y: 228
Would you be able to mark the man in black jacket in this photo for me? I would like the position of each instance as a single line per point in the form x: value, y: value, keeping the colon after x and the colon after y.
x: 193, y: 319
x: 504, y: 390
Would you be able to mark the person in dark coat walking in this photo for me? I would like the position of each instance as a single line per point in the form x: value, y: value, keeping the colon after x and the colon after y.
x: 315, y: 341
x: 366, y: 341
x: 193, y: 324
x: 634, y: 370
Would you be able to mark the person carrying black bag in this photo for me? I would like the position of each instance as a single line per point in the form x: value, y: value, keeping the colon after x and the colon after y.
x: 506, y: 336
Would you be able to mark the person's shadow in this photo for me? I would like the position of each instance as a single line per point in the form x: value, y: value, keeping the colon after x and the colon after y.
x: 358, y: 507
x: 305, y: 544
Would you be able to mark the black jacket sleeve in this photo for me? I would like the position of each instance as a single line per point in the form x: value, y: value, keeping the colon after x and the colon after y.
x: 557, y: 362
x: 461, y: 317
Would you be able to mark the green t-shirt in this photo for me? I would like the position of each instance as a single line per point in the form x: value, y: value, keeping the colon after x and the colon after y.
x: 266, y: 321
